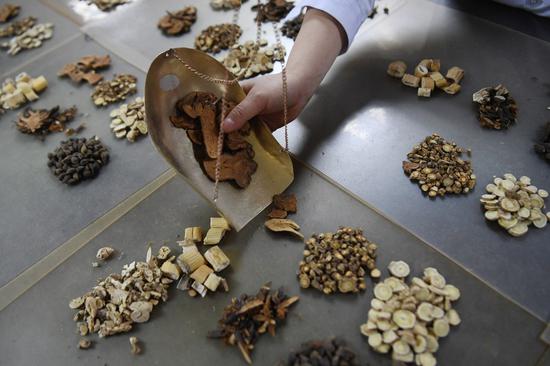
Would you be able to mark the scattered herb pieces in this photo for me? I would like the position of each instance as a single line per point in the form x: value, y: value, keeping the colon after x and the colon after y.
x: 107, y: 92
x: 497, y: 109
x: 85, y: 69
x: 437, y: 167
x: 218, y: 37
x: 273, y: 10
x: 76, y: 160
x: 337, y: 262
x: 42, y: 122
x: 179, y: 22
x: 248, y: 317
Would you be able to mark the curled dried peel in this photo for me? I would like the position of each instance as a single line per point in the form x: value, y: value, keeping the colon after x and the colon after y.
x: 284, y: 225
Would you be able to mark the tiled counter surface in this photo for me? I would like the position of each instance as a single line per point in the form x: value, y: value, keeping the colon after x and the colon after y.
x: 362, y: 123
x: 64, y: 29
x: 38, y: 211
x: 39, y: 326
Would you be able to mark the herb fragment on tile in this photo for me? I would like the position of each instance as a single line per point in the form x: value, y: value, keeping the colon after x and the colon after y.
x: 408, y: 318
x: 247, y: 317
x: 106, y: 5
x: 128, y: 121
x: 76, y: 160
x: 496, y: 107
x: 226, y: 4
x: 17, y: 27
x: 515, y: 204
x: 333, y: 351
x: 8, y: 11
x: 29, y: 39
x: 273, y: 10
x: 435, y: 164
x: 85, y: 69
x: 218, y: 37
x: 44, y: 121
x: 337, y: 262
x: 247, y: 61
x: 112, y: 91
x: 292, y: 27
x: 178, y: 22
x: 24, y: 89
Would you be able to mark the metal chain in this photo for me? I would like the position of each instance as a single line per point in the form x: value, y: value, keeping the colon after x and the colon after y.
x: 281, y: 49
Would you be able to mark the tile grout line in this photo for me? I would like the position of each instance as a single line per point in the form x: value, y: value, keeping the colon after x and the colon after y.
x: 32, y: 275
x: 365, y: 203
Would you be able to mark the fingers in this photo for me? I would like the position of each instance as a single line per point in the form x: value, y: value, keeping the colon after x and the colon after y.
x: 247, y: 85
x: 250, y: 107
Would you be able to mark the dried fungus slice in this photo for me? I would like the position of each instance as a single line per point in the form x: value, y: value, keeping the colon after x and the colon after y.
x: 286, y: 202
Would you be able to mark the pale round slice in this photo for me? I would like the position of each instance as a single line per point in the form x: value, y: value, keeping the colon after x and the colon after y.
x: 376, y: 304
x: 510, y: 205
x: 499, y: 192
x: 419, y: 282
x: 531, y: 189
x: 383, y: 292
x: 389, y: 337
x: 424, y: 311
x: 430, y: 270
x: 548, y: 215
x: 507, y: 185
x: 492, y: 215
x: 383, y: 325
x: 409, y: 357
x: 542, y: 193
x: 422, y: 294
x: 488, y: 197
x: 401, y: 348
x: 427, y: 359
x: 452, y: 292
x: 441, y: 327
x: 395, y: 284
x: 519, y: 229
x: 541, y: 222
x: 364, y: 329
x: 437, y: 280
x: 453, y: 317
x: 525, y: 180
x: 524, y: 212
x: 399, y: 269
x: 404, y: 319
x: 498, y: 180
x: 375, y: 340
x: 433, y: 344
x: 507, y: 224
x: 504, y: 215
x: 437, y: 312
x: 420, y: 344
x: 510, y: 177
x: 490, y: 187
x: 383, y: 348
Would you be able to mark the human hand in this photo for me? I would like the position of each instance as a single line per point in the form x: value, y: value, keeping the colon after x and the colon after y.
x: 265, y: 99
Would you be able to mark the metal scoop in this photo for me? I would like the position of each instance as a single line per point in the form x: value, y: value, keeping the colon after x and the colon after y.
x: 169, y: 80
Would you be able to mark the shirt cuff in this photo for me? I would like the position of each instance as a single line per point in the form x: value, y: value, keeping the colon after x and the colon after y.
x: 349, y: 13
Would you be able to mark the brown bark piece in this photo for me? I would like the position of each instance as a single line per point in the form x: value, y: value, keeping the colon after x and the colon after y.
x: 92, y: 78
x: 195, y: 136
x: 235, y: 141
x: 277, y: 213
x: 286, y: 202
x: 43, y: 121
x: 210, y: 132
x: 236, y: 167
x: 183, y: 121
x: 8, y: 11
x: 85, y: 67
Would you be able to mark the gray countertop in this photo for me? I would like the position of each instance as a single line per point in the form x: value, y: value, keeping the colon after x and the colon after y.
x: 493, y: 330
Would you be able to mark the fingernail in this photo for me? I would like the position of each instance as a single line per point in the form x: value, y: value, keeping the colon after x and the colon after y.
x: 228, y: 124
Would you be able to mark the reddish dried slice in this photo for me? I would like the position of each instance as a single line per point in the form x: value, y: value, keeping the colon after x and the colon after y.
x: 236, y: 167
x: 277, y: 213
x: 235, y: 141
x: 92, y: 78
x: 195, y: 136
x: 408, y: 167
x: 286, y: 202
x: 184, y: 122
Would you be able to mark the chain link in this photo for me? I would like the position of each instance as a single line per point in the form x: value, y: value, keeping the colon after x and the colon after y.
x: 280, y: 48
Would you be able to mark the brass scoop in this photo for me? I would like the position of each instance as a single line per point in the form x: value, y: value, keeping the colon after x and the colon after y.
x: 169, y: 80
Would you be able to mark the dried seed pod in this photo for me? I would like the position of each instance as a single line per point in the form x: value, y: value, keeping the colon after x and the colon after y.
x: 84, y: 343
x: 497, y: 109
x: 323, y: 352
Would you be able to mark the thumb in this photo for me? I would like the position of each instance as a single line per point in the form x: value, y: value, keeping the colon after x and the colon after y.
x: 250, y: 107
